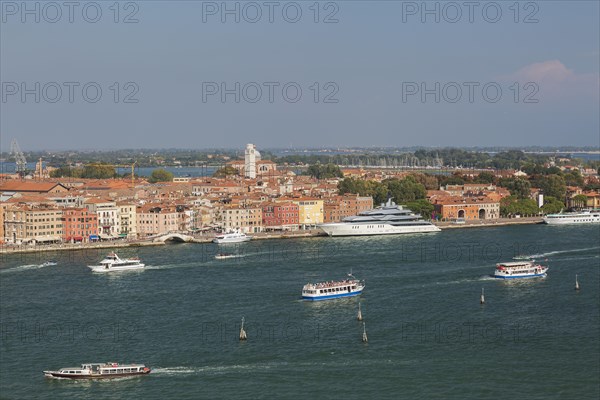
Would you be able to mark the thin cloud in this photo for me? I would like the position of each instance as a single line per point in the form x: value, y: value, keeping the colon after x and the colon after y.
x: 555, y: 79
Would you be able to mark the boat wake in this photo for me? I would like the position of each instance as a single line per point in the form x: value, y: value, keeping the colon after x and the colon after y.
x: 22, y: 268
x: 175, y: 371
x: 170, y: 266
x: 553, y: 253
x: 170, y: 371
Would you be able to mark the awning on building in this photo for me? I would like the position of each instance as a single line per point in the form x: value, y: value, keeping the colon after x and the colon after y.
x: 94, y: 237
x: 46, y: 238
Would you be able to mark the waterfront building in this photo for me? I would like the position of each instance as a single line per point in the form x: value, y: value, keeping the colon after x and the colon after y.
x: 282, y: 216
x: 245, y: 219
x: 128, y: 219
x: 33, y: 223
x: 153, y: 219
x: 469, y: 208
x: 109, y: 221
x: 310, y: 211
x: 80, y: 225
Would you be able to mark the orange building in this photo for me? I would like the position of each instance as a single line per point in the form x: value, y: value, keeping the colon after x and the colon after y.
x: 282, y: 216
x: 79, y: 225
x: 337, y: 208
x: 470, y: 208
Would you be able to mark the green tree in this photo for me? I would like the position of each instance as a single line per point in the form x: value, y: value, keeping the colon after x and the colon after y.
x: 160, y: 175
x: 429, y: 181
x: 422, y: 207
x: 226, y: 171
x: 326, y: 171
x: 98, y: 171
x: 553, y: 186
x: 485, y: 177
x: 552, y: 205
x: 452, y: 180
x: 574, y: 178
x: 518, y: 187
x: 405, y: 190
x: 66, y: 172
x: 352, y: 185
x: 512, y: 205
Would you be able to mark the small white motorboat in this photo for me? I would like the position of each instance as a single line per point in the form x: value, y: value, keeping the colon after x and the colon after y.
x: 112, y: 262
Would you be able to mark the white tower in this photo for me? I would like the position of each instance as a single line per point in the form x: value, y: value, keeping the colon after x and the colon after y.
x: 250, y: 161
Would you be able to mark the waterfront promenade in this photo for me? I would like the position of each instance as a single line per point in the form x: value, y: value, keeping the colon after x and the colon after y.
x: 207, y: 238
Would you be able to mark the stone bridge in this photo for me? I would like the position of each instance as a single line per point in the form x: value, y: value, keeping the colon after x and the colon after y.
x: 175, y: 237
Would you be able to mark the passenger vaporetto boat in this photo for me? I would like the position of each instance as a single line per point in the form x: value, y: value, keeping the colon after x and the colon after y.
x: 519, y: 269
x: 99, y: 371
x: 333, y: 289
x: 112, y: 262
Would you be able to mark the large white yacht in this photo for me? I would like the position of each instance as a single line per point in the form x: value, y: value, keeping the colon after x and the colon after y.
x: 389, y: 219
x: 583, y: 217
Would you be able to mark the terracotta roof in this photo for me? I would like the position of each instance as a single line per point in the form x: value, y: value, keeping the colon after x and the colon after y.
x: 20, y: 186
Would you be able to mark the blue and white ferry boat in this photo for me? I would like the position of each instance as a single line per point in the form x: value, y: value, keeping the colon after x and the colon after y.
x: 519, y: 269
x: 333, y: 289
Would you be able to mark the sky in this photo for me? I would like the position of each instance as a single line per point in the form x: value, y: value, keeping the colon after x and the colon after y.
x: 197, y: 74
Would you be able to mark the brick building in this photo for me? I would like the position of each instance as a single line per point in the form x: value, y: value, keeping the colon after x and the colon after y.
x: 79, y: 225
x: 284, y: 216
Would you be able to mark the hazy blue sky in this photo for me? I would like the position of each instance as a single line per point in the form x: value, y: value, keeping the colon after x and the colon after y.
x: 375, y: 57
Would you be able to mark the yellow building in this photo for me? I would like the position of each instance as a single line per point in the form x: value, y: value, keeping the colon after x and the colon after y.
x: 310, y: 212
x: 127, y: 214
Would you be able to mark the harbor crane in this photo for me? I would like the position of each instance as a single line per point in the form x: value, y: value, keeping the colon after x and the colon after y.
x: 132, y: 172
x: 20, y: 161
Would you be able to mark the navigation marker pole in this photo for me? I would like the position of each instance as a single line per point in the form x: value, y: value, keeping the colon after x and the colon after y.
x: 576, y: 283
x: 359, y: 315
x: 364, y: 336
x: 243, y: 335
x: 482, y: 298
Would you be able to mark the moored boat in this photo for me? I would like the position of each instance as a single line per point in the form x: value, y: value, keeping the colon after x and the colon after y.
x: 99, y: 371
x: 519, y: 269
x: 333, y: 289
x: 388, y: 219
x: 112, y: 262
x: 231, y: 237
x: 583, y: 217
